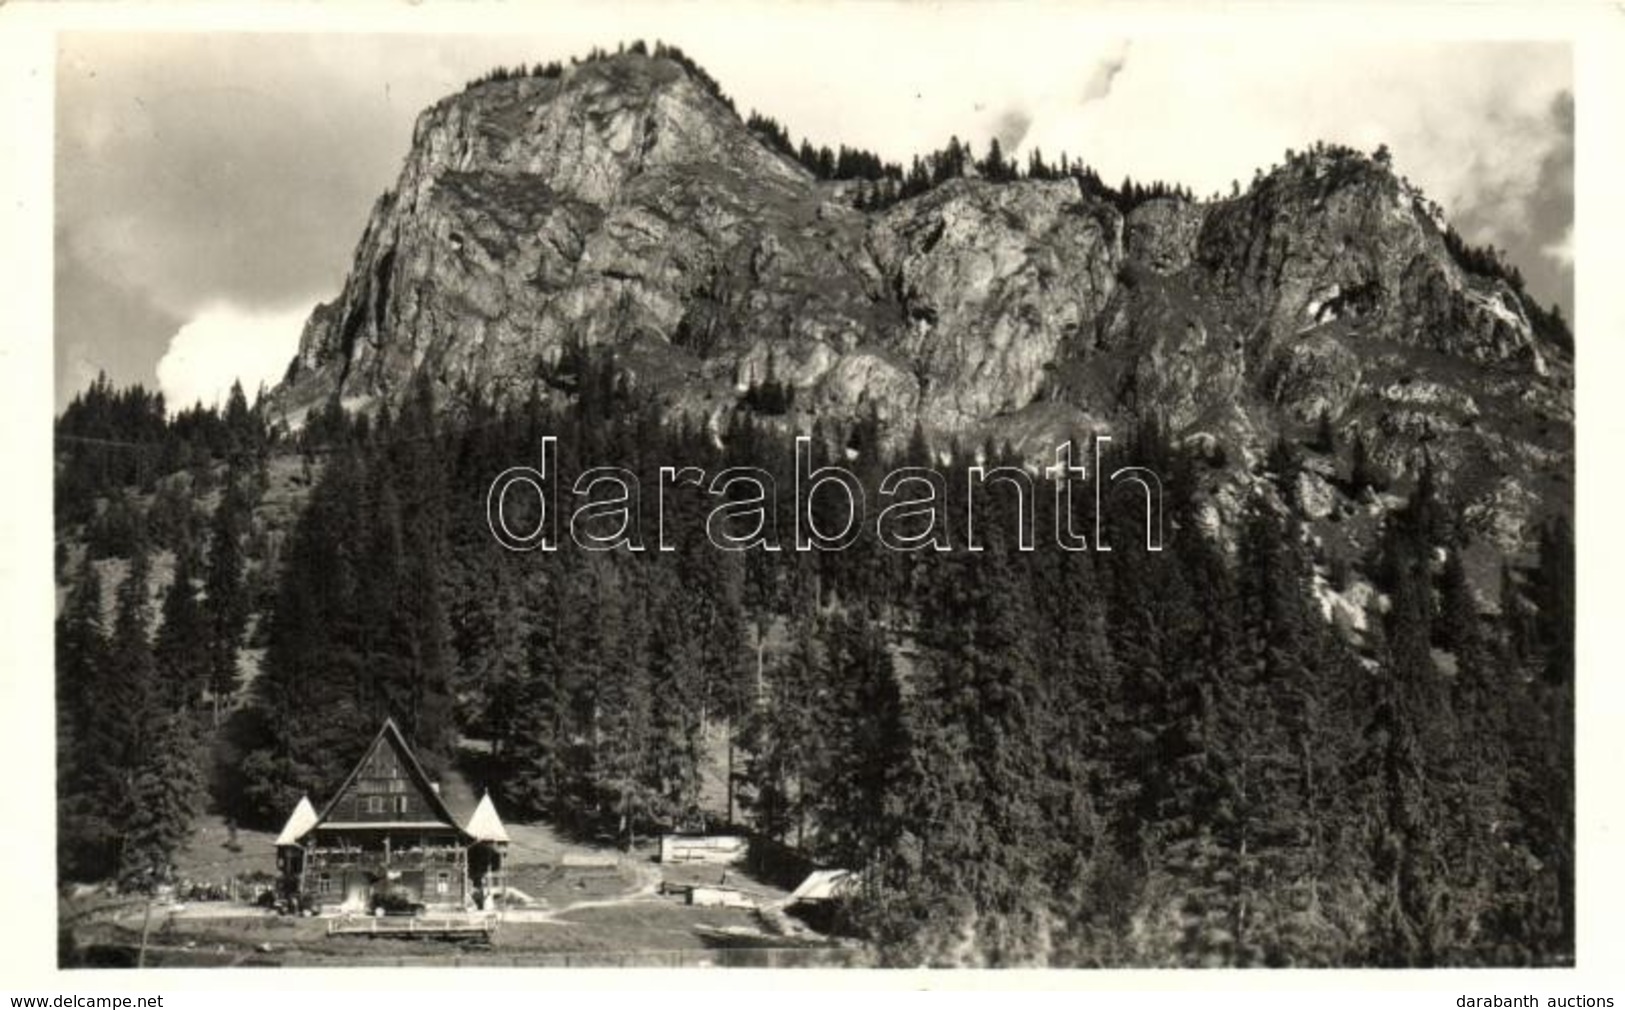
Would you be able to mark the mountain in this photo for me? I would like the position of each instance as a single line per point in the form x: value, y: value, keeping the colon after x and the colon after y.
x: 1293, y: 737
x: 621, y: 202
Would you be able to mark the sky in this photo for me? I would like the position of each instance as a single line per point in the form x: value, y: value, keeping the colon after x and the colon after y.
x: 211, y: 188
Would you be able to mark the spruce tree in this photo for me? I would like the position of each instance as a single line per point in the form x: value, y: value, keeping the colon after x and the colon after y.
x: 856, y: 787
x: 119, y: 733
x: 164, y: 798
x: 307, y: 705
x: 676, y: 677
x: 1408, y: 924
x: 538, y: 723
x: 1325, y: 434
x: 226, y: 603
x: 624, y: 711
x: 1362, y: 471
x: 85, y: 832
x: 182, y: 648
x: 419, y: 646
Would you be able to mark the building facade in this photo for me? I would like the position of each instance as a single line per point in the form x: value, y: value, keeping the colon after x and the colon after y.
x: 388, y: 841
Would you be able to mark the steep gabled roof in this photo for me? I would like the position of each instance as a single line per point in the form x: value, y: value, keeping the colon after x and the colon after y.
x: 458, y: 796
x: 390, y: 736
x: 300, y: 821
x: 822, y: 885
x: 485, y: 825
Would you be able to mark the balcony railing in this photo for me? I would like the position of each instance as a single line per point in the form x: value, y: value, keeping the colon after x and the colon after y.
x: 368, y: 859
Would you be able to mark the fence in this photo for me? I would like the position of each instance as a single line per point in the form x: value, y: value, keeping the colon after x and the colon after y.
x: 717, y: 957
x: 722, y: 850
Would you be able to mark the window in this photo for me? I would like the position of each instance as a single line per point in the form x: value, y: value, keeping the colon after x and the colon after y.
x: 324, y: 884
x: 400, y: 804
x: 442, y: 883
x: 375, y: 804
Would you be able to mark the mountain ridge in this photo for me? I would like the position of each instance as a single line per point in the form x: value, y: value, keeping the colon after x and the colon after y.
x: 622, y: 204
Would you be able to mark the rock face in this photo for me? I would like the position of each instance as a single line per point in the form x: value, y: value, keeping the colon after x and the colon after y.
x: 623, y: 205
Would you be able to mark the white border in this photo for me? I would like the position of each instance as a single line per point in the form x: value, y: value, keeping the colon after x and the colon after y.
x: 27, y: 898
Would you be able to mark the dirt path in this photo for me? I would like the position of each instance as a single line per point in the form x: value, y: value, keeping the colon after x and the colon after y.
x: 647, y: 888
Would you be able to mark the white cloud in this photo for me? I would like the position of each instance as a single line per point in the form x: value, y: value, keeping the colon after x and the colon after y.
x: 1471, y: 123
x: 225, y: 343
x: 237, y: 170
x: 1561, y: 252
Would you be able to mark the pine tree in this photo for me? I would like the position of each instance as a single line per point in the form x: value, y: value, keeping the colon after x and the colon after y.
x: 164, y: 788
x: 242, y: 430
x: 1363, y: 472
x: 537, y: 708
x: 182, y: 648
x: 1518, y: 632
x: 81, y: 645
x: 993, y: 167
x: 117, y: 737
x: 1277, y: 728
x: 976, y: 795
x: 1325, y: 434
x: 673, y: 770
x: 624, y: 706
x: 494, y: 652
x: 1479, y: 702
x: 780, y: 736
x: 307, y: 705
x: 420, y: 654
x: 1542, y: 787
x: 85, y: 833
x: 856, y: 785
x: 225, y: 598
x: 1407, y: 922
x: 1554, y: 601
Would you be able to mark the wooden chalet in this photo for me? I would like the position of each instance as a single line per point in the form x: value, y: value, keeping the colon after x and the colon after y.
x: 387, y: 837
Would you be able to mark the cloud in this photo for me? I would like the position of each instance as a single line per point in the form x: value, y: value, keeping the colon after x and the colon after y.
x: 1106, y: 71
x: 202, y: 170
x: 194, y: 171
x: 1011, y: 126
x: 1486, y: 128
x: 1470, y: 121
x: 103, y: 327
x: 227, y: 343
x: 228, y: 167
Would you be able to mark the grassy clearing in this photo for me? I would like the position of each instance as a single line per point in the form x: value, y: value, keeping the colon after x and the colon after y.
x: 643, y: 925
x: 646, y: 925
x: 211, y: 857
x: 612, y: 911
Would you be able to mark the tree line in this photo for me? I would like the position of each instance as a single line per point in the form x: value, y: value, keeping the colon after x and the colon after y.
x: 882, y: 184
x: 140, y: 691
x: 1030, y: 757
x: 1098, y: 758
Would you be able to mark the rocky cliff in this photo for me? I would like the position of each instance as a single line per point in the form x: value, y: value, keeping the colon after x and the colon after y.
x: 622, y: 204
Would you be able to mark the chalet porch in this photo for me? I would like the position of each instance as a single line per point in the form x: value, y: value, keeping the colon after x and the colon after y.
x: 388, y: 841
x: 347, y: 875
x: 480, y: 926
